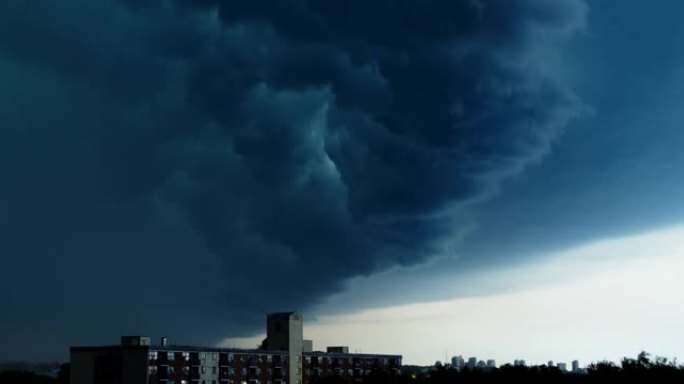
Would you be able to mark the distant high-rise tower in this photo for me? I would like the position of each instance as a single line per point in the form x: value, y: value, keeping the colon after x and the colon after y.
x: 285, y: 332
x: 472, y: 362
x: 458, y: 362
x: 575, y: 365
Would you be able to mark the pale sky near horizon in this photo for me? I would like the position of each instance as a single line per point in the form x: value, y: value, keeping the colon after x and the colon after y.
x: 600, y: 301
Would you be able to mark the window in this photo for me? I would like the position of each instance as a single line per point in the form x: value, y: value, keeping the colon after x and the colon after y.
x: 170, y: 370
x: 152, y: 369
x: 213, y: 369
x: 203, y: 355
x: 214, y: 355
x: 186, y: 356
x: 170, y: 355
x: 204, y: 369
x: 152, y: 355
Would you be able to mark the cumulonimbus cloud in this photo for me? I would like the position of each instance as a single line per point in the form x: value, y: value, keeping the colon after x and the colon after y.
x: 298, y: 143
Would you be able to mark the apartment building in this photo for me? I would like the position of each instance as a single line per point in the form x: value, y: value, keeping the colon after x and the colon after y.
x: 284, y: 358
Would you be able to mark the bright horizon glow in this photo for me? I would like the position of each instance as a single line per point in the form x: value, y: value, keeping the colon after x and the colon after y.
x: 601, y: 301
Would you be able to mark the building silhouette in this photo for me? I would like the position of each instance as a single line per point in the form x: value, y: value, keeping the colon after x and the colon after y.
x: 458, y: 362
x: 283, y: 358
x: 472, y: 362
x: 575, y: 366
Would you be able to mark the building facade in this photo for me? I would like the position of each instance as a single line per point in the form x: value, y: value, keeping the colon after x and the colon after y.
x: 282, y: 359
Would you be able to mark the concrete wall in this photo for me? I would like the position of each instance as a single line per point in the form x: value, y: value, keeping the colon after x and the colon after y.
x: 82, y: 367
x: 134, y: 366
x: 109, y: 365
x: 296, y: 347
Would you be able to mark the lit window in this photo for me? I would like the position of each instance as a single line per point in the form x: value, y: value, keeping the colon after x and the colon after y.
x: 186, y: 356
x: 152, y: 355
x: 170, y: 355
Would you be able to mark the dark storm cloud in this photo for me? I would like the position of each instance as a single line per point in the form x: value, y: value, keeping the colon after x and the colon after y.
x: 212, y: 162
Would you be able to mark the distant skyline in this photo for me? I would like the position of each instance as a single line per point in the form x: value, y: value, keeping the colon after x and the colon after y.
x: 489, y: 178
x: 601, y: 301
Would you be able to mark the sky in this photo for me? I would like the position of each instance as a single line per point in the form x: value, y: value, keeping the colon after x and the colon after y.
x: 487, y: 178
